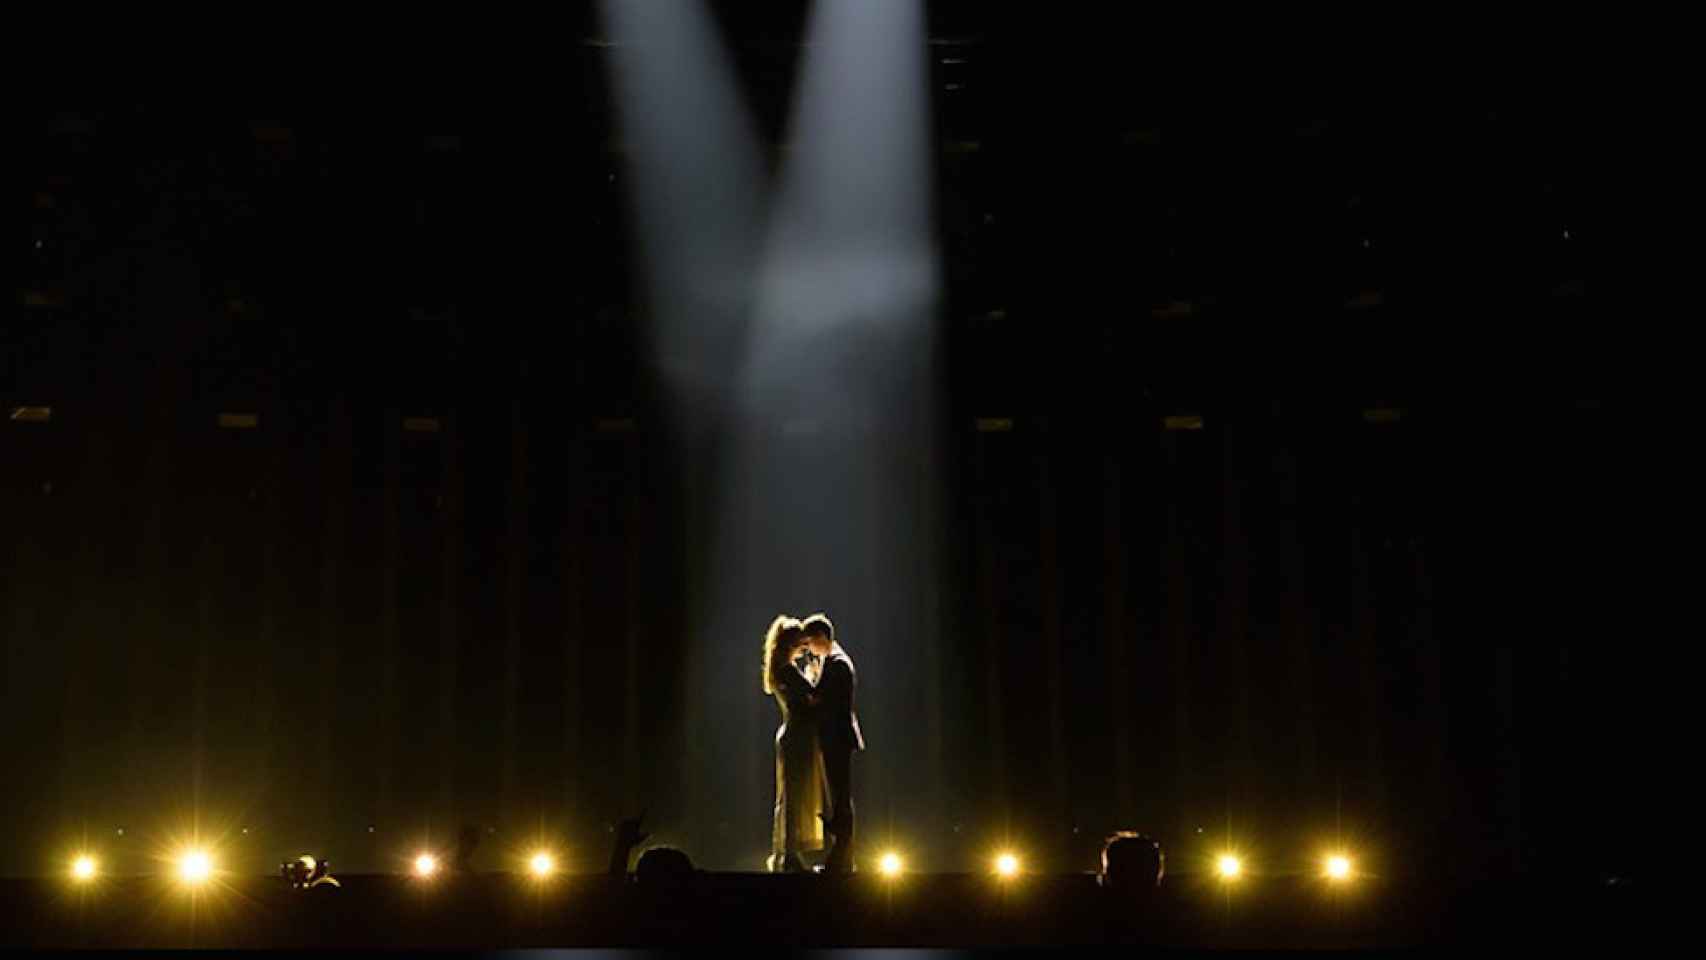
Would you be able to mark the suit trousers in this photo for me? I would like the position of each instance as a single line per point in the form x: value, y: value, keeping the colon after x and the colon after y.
x: 838, y: 770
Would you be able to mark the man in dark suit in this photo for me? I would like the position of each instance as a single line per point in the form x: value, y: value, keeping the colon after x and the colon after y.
x: 838, y: 731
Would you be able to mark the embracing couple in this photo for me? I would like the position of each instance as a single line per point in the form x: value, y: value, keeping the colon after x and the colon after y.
x: 812, y: 679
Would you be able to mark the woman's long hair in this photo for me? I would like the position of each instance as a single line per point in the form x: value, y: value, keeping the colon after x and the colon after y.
x: 779, y: 641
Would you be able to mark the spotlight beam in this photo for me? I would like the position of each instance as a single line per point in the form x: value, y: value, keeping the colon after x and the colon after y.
x: 836, y: 372
x: 698, y: 194
x: 814, y: 304
x: 850, y: 266
x: 696, y: 186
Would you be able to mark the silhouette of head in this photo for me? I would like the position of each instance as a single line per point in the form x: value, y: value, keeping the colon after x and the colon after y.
x: 781, y: 642
x: 1132, y: 861
x: 820, y: 633
x: 664, y: 868
x: 299, y: 871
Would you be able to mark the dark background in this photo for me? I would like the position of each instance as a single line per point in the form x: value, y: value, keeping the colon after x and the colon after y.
x: 1416, y: 627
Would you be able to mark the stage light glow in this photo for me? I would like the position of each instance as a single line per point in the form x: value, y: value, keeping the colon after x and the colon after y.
x: 426, y: 865
x: 83, y: 868
x: 1338, y: 867
x: 1007, y: 865
x: 890, y: 865
x: 1229, y: 866
x: 194, y: 867
x: 542, y: 864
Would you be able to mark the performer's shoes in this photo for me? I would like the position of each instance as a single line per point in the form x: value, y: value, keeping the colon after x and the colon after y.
x: 788, y: 864
x: 836, y: 869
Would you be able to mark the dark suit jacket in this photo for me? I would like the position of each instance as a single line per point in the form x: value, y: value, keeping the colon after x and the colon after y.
x: 838, y: 723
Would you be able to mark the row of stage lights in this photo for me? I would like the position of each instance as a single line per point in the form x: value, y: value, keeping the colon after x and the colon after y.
x: 541, y: 864
x: 1336, y: 867
x: 195, y: 867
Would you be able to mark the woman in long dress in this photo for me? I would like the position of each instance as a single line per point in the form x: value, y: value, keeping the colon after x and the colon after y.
x: 800, y: 782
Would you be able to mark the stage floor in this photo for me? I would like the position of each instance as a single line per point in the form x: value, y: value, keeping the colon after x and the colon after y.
x: 922, y: 910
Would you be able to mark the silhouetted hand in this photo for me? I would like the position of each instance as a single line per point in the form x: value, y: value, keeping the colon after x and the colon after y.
x: 628, y: 832
x: 628, y: 836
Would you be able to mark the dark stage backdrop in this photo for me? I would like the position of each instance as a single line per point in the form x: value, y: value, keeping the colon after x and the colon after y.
x: 450, y: 573
x: 337, y: 621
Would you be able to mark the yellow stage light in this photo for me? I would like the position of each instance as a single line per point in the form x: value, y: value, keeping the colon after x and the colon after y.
x: 1229, y: 866
x: 194, y: 867
x: 1338, y: 867
x: 890, y: 865
x: 542, y: 864
x: 1007, y: 865
x: 83, y: 868
x: 426, y: 865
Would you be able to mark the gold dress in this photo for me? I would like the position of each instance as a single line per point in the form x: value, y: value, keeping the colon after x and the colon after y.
x: 800, y: 780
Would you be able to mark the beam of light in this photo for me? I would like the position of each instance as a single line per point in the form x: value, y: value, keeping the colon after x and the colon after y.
x: 890, y: 865
x: 1229, y: 866
x: 541, y: 864
x: 695, y: 179
x: 828, y: 485
x: 83, y: 869
x: 849, y: 275
x: 1007, y: 866
x: 425, y: 865
x: 794, y: 331
x: 1337, y: 867
x: 195, y: 867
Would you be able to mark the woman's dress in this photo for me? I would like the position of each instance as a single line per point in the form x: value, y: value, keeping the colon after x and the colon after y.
x: 800, y: 780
